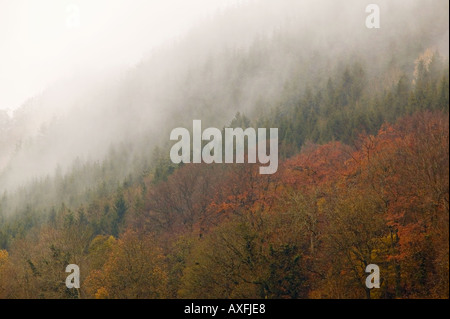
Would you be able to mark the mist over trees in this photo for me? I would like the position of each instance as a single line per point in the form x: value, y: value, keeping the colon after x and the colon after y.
x: 85, y: 174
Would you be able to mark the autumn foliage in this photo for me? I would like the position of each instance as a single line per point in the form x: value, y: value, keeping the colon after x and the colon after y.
x: 308, y: 231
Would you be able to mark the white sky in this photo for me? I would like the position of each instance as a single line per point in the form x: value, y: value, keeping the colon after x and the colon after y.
x: 38, y: 44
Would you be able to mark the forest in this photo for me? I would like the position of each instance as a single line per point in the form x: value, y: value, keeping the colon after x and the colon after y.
x: 363, y: 178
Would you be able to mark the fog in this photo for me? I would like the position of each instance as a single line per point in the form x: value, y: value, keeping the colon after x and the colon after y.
x: 41, y: 41
x: 131, y: 71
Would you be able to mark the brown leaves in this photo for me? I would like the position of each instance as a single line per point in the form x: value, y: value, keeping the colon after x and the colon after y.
x: 135, y: 269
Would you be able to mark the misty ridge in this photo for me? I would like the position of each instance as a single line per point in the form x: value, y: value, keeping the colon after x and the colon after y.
x: 243, y: 60
x: 88, y: 180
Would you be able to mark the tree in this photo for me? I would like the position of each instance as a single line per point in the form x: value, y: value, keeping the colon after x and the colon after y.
x: 134, y: 269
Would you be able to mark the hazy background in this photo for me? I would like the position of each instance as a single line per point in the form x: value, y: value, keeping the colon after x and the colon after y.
x: 40, y: 41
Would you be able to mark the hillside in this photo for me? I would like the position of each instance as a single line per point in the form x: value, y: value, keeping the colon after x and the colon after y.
x: 86, y: 178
